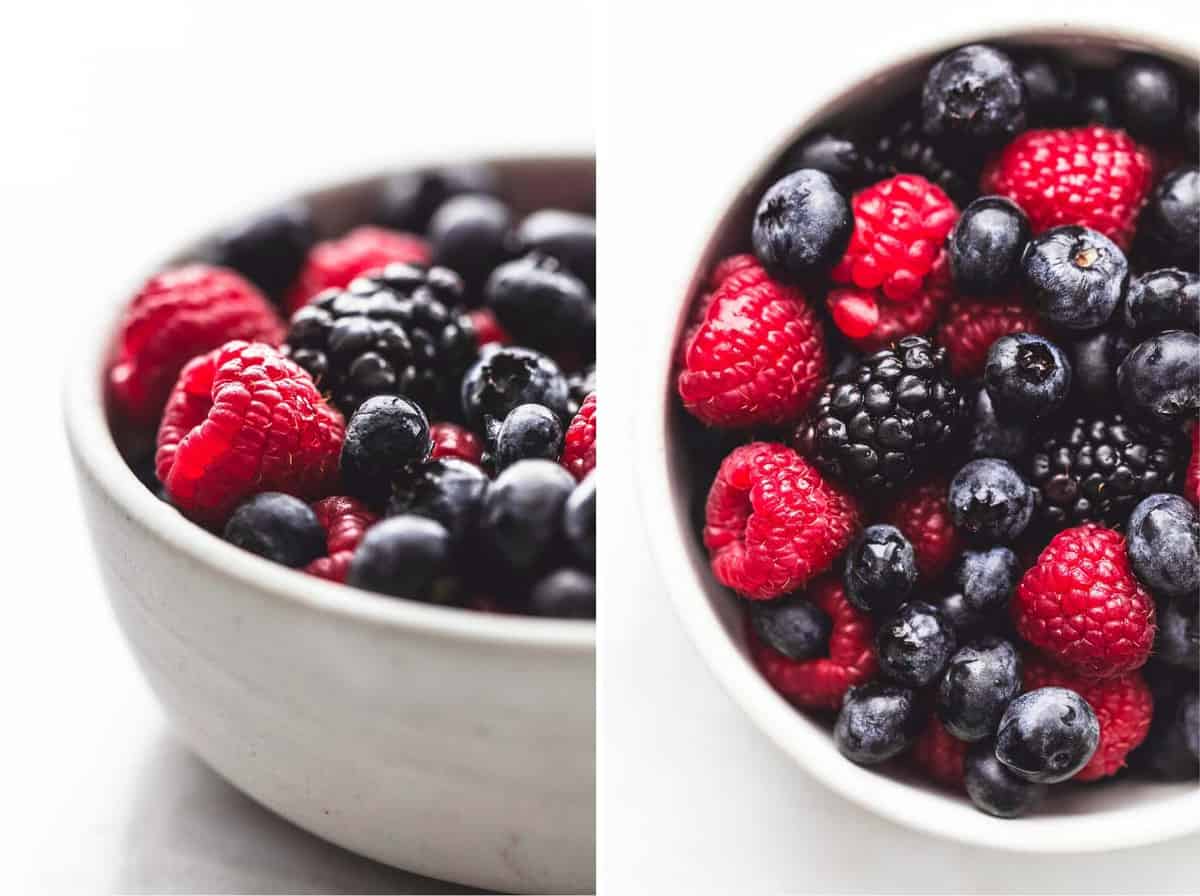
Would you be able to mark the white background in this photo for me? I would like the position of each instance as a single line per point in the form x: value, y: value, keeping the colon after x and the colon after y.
x: 692, y: 798
x: 128, y: 128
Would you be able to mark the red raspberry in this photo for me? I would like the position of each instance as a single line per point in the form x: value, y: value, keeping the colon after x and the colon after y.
x: 900, y: 225
x: 940, y: 755
x: 346, y: 521
x: 923, y: 515
x: 452, y: 440
x: 241, y: 420
x: 579, y: 444
x: 757, y: 357
x: 487, y: 329
x: 1191, y: 485
x: 772, y: 522
x: 177, y: 315
x: 821, y: 683
x: 872, y: 321
x: 335, y: 567
x: 972, y: 325
x: 1092, y: 176
x: 726, y: 267
x: 1081, y: 605
x: 730, y: 265
x: 1123, y: 705
x: 334, y: 263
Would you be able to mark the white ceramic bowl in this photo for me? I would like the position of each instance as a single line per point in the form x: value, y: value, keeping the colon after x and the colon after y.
x: 1119, y: 814
x: 452, y: 743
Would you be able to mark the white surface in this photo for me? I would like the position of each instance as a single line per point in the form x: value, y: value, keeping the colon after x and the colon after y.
x: 692, y: 795
x: 128, y: 128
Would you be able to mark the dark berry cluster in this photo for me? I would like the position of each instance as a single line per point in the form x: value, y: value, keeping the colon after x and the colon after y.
x: 423, y: 425
x: 967, y: 528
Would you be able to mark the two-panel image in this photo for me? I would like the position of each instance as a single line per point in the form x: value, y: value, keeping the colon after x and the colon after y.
x: 878, y: 573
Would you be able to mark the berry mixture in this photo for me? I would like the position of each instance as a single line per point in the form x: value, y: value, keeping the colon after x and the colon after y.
x: 405, y: 405
x: 952, y: 387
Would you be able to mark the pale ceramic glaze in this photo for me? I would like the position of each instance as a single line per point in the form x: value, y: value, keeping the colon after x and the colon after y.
x: 1075, y: 818
x: 452, y: 743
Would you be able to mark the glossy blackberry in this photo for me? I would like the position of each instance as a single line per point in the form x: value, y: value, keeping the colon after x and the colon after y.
x: 908, y: 151
x: 396, y: 333
x: 1097, y: 469
x: 876, y: 426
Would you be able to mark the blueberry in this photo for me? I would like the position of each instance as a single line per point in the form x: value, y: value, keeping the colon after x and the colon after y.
x: 1170, y: 751
x: 1189, y: 720
x: 1094, y: 358
x: 1146, y: 94
x: 268, y: 249
x: 579, y: 521
x: 471, y: 235
x: 1166, y: 682
x: 1191, y: 130
x: 993, y: 788
x: 408, y: 200
x: 1027, y: 377
x: 1050, y: 89
x: 974, y: 95
x: 986, y: 245
x: 1075, y: 275
x: 404, y: 556
x: 279, y: 527
x: 1177, y: 641
x: 385, y: 434
x: 1094, y: 104
x: 834, y: 154
x: 986, y: 578
x: 914, y: 644
x: 1047, y: 735
x: 506, y: 378
x: 794, y: 626
x: 880, y: 569
x: 542, y: 305
x: 877, y: 722
x: 966, y: 622
x: 1160, y: 379
x: 802, y: 225
x: 522, y: 515
x: 1169, y: 226
x: 980, y: 681
x: 990, y: 437
x: 448, y: 490
x: 1163, y: 543
x: 990, y: 501
x: 529, y: 431
x: 569, y: 237
x: 1165, y: 299
x: 565, y: 593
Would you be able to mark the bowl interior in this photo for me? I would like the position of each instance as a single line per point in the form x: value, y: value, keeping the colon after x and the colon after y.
x: 527, y: 184
x: 1123, y: 812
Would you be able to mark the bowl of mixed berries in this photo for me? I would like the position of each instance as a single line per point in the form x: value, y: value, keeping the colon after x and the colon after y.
x: 338, y: 464
x: 930, y: 443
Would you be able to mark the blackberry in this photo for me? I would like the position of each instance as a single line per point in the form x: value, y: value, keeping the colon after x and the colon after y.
x: 398, y: 332
x: 876, y: 426
x: 1097, y: 469
x: 907, y: 151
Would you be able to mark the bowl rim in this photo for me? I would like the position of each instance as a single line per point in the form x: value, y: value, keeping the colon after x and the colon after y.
x: 94, y: 453
x: 683, y: 568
